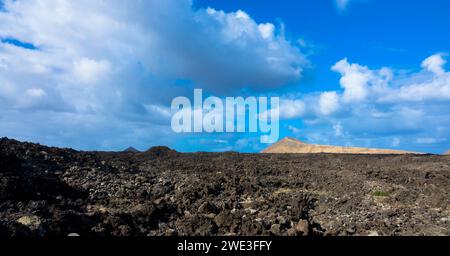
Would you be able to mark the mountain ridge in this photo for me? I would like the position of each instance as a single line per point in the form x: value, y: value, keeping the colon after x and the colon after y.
x: 131, y: 150
x: 291, y: 145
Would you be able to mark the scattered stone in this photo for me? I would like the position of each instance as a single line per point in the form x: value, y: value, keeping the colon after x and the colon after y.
x: 170, y: 232
x: 373, y: 233
x: 32, y: 222
x: 302, y: 227
x: 351, y: 231
x: 162, y: 192
x: 207, y: 208
x: 158, y: 201
x: 252, y: 211
x: 292, y: 232
x: 281, y: 220
x: 275, y: 229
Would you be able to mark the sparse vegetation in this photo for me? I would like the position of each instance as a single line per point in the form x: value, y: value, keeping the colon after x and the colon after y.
x: 160, y: 192
x: 381, y: 194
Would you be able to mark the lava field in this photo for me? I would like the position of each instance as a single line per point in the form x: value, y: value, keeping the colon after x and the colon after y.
x: 59, y: 192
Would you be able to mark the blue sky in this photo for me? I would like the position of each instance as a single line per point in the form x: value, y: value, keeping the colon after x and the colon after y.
x: 100, y: 76
x: 398, y: 34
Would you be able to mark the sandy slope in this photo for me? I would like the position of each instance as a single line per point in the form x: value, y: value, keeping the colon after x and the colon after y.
x: 290, y: 145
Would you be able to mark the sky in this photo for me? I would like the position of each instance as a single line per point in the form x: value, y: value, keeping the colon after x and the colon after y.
x: 101, y: 75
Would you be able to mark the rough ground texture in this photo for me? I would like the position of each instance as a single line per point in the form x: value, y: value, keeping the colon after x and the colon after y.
x: 56, y: 192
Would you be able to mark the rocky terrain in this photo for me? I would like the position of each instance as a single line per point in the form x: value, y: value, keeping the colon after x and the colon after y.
x: 290, y: 145
x: 59, y: 192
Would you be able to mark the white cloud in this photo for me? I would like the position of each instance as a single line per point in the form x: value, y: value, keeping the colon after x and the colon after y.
x: 290, y: 109
x: 437, y: 89
x: 90, y: 71
x: 383, y: 105
x: 435, y: 64
x: 162, y: 111
x: 355, y: 79
x: 267, y: 30
x: 135, y: 53
x: 86, y: 42
x: 328, y: 103
x: 35, y: 92
x: 434, y: 87
x: 362, y: 84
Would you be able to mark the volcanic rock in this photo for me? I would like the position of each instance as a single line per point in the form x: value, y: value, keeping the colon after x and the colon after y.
x: 160, y: 152
x: 131, y: 150
x: 33, y: 222
x: 302, y: 227
x: 162, y: 192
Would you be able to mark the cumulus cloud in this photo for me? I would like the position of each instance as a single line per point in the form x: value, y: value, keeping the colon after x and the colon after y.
x: 354, y: 80
x: 267, y: 30
x: 430, y: 90
x: 434, y: 64
x: 328, y: 103
x: 290, y: 109
x: 357, y: 80
x: 360, y: 83
x: 90, y: 71
x: 382, y: 105
x: 124, y: 59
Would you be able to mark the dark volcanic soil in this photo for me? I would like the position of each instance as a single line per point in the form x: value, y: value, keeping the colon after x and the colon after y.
x: 56, y: 192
